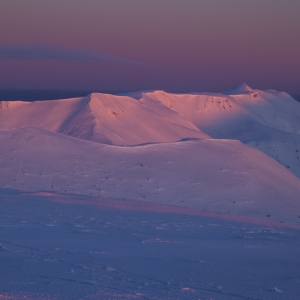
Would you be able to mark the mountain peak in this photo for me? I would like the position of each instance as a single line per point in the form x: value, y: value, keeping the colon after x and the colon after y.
x: 240, y: 89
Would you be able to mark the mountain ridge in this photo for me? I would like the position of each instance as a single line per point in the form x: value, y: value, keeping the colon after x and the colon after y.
x: 236, y: 153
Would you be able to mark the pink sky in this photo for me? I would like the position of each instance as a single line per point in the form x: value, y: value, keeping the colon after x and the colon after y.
x: 175, y: 45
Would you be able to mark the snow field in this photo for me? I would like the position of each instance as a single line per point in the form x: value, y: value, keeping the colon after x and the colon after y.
x: 64, y: 247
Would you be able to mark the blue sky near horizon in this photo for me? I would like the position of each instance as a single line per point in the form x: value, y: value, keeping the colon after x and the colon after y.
x: 175, y: 45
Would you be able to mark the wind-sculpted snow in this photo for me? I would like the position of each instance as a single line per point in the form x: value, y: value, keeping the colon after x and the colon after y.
x: 220, y: 175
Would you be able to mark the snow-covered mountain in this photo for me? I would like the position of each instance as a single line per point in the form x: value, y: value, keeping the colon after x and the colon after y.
x: 266, y: 120
x: 195, y: 150
x: 109, y: 119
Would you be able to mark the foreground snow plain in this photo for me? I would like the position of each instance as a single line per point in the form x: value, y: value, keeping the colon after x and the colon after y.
x: 151, y: 196
x: 78, y: 247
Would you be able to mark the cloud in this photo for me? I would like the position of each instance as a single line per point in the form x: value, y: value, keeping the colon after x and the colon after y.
x: 47, y: 52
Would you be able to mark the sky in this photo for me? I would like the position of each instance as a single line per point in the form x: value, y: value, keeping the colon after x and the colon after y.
x: 173, y: 45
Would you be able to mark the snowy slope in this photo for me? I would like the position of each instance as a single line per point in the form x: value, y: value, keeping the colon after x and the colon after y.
x: 220, y: 175
x: 274, y: 109
x: 102, y: 118
x: 263, y: 119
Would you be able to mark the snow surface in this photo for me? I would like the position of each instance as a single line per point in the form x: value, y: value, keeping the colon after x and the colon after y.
x: 151, y: 195
x: 221, y: 175
x: 73, y: 247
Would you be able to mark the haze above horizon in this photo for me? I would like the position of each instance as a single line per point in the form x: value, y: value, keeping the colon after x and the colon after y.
x: 177, y: 46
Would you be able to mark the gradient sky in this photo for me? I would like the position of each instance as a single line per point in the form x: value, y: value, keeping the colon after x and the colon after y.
x: 175, y: 45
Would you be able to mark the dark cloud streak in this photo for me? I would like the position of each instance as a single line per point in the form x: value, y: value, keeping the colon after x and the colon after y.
x: 47, y: 52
